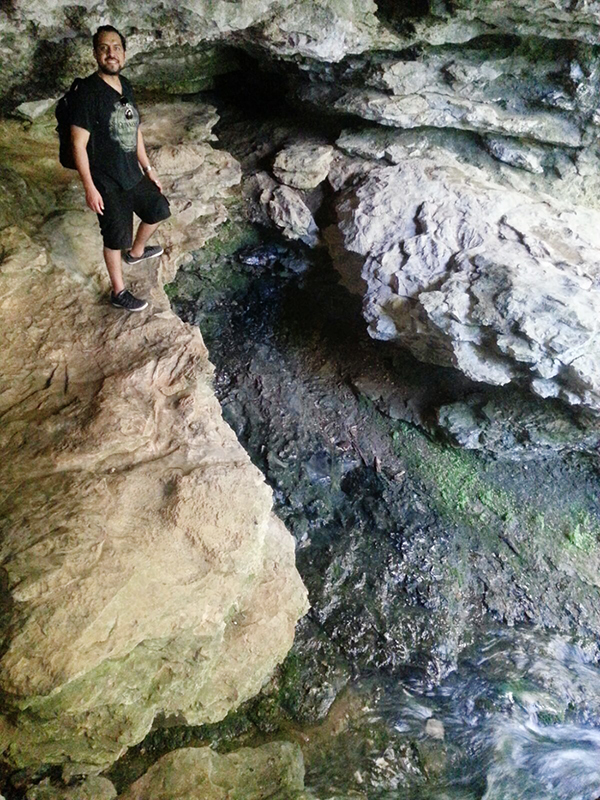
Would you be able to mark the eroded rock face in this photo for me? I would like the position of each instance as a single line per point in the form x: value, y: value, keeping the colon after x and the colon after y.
x: 517, y: 426
x: 530, y: 88
x: 502, y: 285
x: 558, y: 19
x: 144, y: 572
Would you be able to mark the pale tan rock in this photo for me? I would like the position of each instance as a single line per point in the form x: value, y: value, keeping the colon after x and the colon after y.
x: 88, y: 789
x: 291, y: 215
x: 270, y: 204
x: 196, y: 177
x: 303, y: 165
x: 145, y: 569
x: 177, y: 122
x: 275, y: 770
x: 435, y: 728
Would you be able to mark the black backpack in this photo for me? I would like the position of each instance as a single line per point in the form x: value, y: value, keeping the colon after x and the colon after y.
x: 63, y: 113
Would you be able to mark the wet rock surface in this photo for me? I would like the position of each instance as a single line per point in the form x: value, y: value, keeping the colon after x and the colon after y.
x: 275, y: 770
x: 322, y: 409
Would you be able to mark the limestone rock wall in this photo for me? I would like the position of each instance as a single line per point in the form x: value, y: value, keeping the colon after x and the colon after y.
x: 143, y: 572
x: 465, y: 272
x: 44, y: 45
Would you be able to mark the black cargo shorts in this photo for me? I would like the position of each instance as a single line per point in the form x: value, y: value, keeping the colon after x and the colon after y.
x: 116, y: 223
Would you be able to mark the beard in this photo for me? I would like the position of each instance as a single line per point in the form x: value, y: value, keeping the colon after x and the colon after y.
x: 110, y: 69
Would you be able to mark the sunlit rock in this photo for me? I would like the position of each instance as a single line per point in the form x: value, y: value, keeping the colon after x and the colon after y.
x: 144, y: 573
x: 303, y: 165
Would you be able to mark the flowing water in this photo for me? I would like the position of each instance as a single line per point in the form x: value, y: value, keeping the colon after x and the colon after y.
x: 517, y: 720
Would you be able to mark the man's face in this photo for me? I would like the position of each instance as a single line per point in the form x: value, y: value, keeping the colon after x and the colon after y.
x: 109, y: 53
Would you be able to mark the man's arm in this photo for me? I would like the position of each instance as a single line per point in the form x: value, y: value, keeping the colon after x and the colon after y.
x: 79, y: 140
x: 145, y: 161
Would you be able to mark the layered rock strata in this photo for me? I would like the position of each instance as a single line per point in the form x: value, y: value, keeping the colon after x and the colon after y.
x: 45, y: 43
x: 144, y: 575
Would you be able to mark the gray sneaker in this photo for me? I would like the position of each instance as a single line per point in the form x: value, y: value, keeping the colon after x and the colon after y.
x: 149, y: 252
x: 127, y: 301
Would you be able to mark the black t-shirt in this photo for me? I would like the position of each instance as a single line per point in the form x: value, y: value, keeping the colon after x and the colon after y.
x: 112, y: 120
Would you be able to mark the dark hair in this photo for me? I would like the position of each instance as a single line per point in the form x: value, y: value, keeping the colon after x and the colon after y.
x: 108, y: 29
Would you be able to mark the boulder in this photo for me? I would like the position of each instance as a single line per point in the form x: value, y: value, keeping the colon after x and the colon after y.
x: 143, y: 573
x: 275, y: 770
x: 292, y: 216
x: 502, y: 285
x: 303, y: 165
x: 36, y: 108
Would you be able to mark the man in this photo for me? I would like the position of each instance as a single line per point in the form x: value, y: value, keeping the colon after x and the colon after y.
x: 109, y: 153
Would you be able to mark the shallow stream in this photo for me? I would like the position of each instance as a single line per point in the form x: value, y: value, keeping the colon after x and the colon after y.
x: 519, y: 719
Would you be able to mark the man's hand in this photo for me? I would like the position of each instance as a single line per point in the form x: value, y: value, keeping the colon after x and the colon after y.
x: 154, y: 178
x: 79, y: 139
x: 94, y: 200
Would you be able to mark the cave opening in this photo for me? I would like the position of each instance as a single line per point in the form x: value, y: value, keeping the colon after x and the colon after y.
x: 399, y: 15
x: 301, y: 384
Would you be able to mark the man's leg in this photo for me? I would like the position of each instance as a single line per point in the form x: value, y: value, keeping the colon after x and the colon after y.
x: 144, y: 232
x: 116, y: 225
x: 112, y: 259
x: 120, y: 297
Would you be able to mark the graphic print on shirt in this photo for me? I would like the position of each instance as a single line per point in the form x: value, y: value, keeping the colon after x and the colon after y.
x: 123, y: 126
